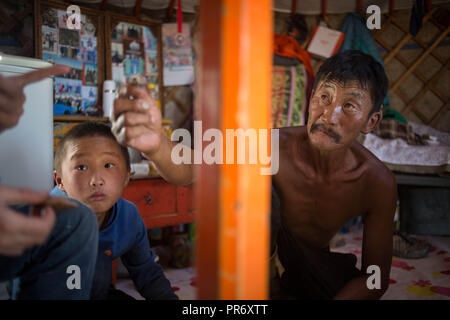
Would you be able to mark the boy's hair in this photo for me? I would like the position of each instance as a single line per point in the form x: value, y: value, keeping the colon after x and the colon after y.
x: 86, y: 129
x: 353, y: 65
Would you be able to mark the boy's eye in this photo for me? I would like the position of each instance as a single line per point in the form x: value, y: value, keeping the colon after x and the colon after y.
x: 81, y: 167
x: 110, y: 165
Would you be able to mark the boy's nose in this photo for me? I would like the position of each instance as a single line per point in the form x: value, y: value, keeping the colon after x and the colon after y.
x: 97, y: 181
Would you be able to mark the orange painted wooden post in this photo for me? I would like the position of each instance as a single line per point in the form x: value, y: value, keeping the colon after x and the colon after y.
x: 234, y: 85
x: 244, y: 193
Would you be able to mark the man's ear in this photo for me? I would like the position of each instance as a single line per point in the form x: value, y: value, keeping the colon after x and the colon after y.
x: 372, y: 122
x: 58, y: 180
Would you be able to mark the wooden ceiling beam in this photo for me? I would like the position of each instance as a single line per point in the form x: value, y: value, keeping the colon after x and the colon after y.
x: 103, y: 5
x: 137, y: 8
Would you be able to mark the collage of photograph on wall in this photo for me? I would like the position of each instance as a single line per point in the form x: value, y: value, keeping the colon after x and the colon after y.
x: 75, y: 93
x: 134, y: 50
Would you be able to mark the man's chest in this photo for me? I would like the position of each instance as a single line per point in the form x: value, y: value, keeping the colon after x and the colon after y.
x: 324, y: 205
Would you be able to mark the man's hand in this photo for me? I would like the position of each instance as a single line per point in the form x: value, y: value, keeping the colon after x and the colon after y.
x: 12, y: 96
x: 137, y: 123
x: 137, y: 120
x: 17, y: 231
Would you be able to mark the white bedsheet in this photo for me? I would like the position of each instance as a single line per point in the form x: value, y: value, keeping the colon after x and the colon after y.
x: 401, y: 156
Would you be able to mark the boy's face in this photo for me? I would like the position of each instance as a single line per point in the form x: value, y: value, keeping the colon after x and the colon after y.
x: 93, y: 171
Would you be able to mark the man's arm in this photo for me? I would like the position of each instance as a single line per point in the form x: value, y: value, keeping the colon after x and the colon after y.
x: 137, y: 123
x: 377, y: 241
x: 179, y: 174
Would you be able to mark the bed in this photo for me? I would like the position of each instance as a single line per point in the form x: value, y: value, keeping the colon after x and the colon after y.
x: 422, y: 172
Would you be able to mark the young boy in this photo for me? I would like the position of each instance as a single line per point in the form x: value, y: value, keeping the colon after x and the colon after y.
x: 92, y: 167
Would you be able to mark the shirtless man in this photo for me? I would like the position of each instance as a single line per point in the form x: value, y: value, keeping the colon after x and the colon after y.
x: 325, y: 179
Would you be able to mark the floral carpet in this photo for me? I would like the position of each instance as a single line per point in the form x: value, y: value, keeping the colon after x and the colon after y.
x: 411, y: 279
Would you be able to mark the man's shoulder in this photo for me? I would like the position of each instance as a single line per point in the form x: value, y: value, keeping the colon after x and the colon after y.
x: 378, y: 176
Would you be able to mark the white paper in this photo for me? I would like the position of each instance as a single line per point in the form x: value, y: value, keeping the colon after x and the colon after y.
x: 177, y: 55
x: 324, y: 42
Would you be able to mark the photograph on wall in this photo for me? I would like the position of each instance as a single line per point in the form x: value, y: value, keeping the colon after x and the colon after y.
x: 151, y: 62
x: 87, y: 27
x: 134, y: 57
x: 89, y: 43
x: 177, y: 55
x: 76, y: 71
x: 118, y: 74
x: 134, y: 49
x: 150, y: 41
x: 49, y: 39
x: 116, y: 33
x: 63, y: 17
x: 90, y: 74
x: 89, y: 101
x: 50, y: 18
x: 133, y: 65
x: 49, y: 57
x: 67, y: 97
x: 88, y: 56
x: 89, y: 93
x: 69, y: 38
x: 89, y: 49
x: 116, y: 53
x: 68, y: 86
x: 132, y: 31
x: 77, y: 48
x: 69, y: 52
x: 134, y: 52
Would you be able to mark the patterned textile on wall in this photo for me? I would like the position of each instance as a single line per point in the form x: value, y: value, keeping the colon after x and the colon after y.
x: 288, y: 95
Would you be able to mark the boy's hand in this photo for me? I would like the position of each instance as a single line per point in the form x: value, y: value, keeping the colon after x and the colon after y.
x: 137, y: 120
x: 17, y: 231
x: 12, y: 97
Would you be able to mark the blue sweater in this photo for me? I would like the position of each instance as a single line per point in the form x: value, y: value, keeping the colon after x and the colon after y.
x: 125, y: 236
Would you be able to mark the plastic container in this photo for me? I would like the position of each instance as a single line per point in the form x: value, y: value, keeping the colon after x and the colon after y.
x: 109, y: 94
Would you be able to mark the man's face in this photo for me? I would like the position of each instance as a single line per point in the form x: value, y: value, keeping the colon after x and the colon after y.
x: 338, y: 113
x: 94, y: 171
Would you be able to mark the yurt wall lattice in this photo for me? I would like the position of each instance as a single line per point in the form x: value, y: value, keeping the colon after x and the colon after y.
x: 417, y: 67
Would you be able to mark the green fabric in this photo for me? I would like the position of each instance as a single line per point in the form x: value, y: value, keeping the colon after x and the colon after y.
x: 299, y: 95
x: 394, y: 115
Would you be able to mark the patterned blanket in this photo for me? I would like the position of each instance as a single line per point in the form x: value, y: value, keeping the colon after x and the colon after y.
x: 288, y: 96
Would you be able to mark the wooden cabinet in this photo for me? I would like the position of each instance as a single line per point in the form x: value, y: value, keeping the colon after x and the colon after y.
x: 161, y: 203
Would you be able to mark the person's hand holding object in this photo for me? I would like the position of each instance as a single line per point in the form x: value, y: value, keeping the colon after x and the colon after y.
x: 12, y: 96
x: 137, y: 120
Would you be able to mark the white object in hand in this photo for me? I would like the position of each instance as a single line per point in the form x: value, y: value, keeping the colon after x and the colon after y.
x: 118, y: 129
x: 109, y: 88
